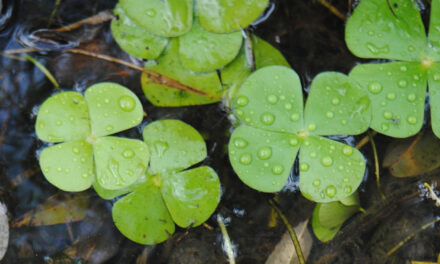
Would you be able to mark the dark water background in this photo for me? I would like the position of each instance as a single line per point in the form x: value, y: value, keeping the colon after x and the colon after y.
x: 312, y: 40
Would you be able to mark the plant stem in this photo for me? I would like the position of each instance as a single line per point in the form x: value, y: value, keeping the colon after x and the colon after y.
x: 101, y: 17
x: 226, y: 239
x: 376, y: 165
x: 54, y: 11
x: 43, y: 69
x: 291, y: 232
x: 401, y: 243
x: 364, y: 140
x: 333, y: 10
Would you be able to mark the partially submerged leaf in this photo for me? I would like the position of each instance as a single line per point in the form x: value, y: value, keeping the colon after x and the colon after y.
x: 69, y: 165
x: 133, y: 39
x: 416, y: 157
x: 338, y: 104
x: 191, y: 196
x: 262, y: 159
x: 169, y: 65
x: 271, y: 99
x: 397, y: 92
x: 143, y: 217
x: 167, y: 18
x: 174, y: 145
x: 391, y: 29
x: 113, y: 108
x: 63, y: 117
x: 222, y: 16
x: 60, y: 208
x: 329, y: 170
x: 204, y: 51
x: 119, y: 162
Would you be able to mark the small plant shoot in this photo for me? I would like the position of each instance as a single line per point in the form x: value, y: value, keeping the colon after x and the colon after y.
x: 170, y: 192
x: 394, y: 30
x: 275, y: 127
x: 82, y: 125
x: 328, y: 218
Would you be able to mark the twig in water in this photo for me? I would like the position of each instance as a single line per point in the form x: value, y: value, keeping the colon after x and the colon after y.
x: 43, y: 69
x: 432, y: 194
x: 333, y: 9
x: 226, y: 239
x: 292, y: 233
x: 364, y: 140
x: 101, y: 17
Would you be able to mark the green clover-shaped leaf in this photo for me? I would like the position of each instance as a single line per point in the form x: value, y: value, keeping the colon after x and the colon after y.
x: 82, y: 123
x: 328, y: 218
x: 168, y: 193
x: 169, y: 65
x: 133, y: 39
x: 394, y: 30
x: 262, y: 150
x: 203, y: 51
x: 167, y: 18
x: 223, y: 16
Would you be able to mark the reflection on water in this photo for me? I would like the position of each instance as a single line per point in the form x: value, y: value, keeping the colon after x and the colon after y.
x: 312, y: 40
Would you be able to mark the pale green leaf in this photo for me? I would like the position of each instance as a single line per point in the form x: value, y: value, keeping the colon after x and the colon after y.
x: 337, y: 105
x: 143, y: 217
x: 266, y: 54
x: 434, y: 97
x: 191, y: 196
x: 68, y: 166
x: 262, y: 159
x: 169, y: 65
x: 271, y: 99
x: 133, y: 39
x: 204, y: 51
x: 397, y: 92
x: 167, y: 18
x: 174, y: 145
x: 113, y: 108
x: 334, y: 214
x: 119, y: 161
x: 63, y: 117
x: 329, y: 170
x: 350, y: 200
x: 390, y: 29
x: 222, y: 16
x: 322, y: 233
x: 110, y: 194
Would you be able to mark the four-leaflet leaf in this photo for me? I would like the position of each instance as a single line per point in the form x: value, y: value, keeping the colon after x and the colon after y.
x: 263, y: 148
x: 394, y: 30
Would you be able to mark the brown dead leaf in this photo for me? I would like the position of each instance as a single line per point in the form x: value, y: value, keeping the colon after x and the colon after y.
x: 415, y: 156
x: 60, y: 208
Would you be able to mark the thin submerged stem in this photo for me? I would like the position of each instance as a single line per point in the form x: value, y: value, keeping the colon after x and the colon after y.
x: 292, y: 233
x: 43, y: 69
x: 226, y: 239
x: 376, y: 165
x: 333, y: 9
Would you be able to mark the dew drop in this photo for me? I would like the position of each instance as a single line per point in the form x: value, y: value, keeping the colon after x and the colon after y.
x: 83, y: 160
x: 335, y: 101
x: 344, y: 122
x: 391, y: 96
x: 272, y: 99
x: 436, y: 77
x: 402, y: 83
x: 109, y: 128
x: 59, y: 169
x: 326, y: 161
x: 240, y: 143
x: 288, y: 106
x: 151, y: 12
x: 106, y: 100
x: 375, y: 87
x: 239, y: 112
x: 245, y: 159
x: 294, y: 117
x: 264, y: 153
x: 347, y: 150
x: 316, y: 183
x: 411, y: 119
x: 411, y: 97
x: 311, y: 127
x: 345, y: 179
x: 242, y: 100
x: 330, y: 191
x: 313, y: 155
x: 84, y: 175
x: 403, y: 68
x: 348, y: 189
x: 387, y: 115
x: 304, y: 166
x: 329, y: 114
x: 411, y: 48
x: 385, y: 126
x: 277, y: 169
x: 75, y: 150
x: 128, y: 153
x: 59, y: 123
x: 293, y: 142
x: 160, y: 147
x: 126, y: 103
x: 267, y: 118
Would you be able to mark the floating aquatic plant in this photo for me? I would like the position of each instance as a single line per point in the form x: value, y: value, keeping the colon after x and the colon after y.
x: 275, y: 127
x: 170, y: 192
x: 82, y: 125
x: 328, y: 218
x: 394, y: 30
